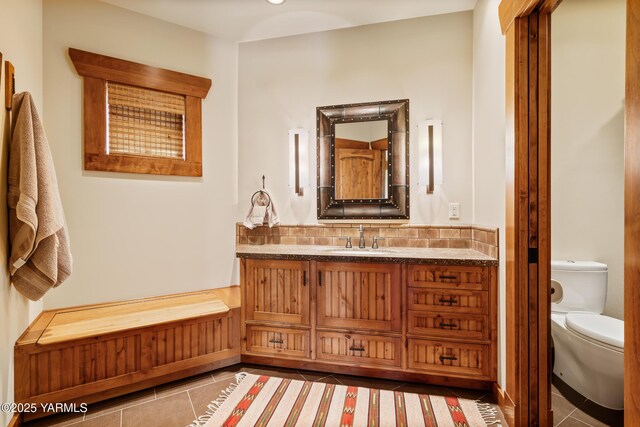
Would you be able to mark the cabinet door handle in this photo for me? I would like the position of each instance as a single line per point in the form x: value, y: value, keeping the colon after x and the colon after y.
x: 274, y: 341
x: 450, y: 300
x: 448, y: 325
x: 304, y: 278
x: 443, y: 358
x: 445, y: 276
x: 356, y: 348
x: 320, y: 278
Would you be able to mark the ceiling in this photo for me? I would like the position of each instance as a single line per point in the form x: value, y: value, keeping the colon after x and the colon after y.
x: 248, y: 20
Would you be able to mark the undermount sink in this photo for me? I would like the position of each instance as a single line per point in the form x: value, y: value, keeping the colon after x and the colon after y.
x: 358, y: 251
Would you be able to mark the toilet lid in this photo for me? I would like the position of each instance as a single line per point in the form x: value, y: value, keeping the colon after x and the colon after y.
x: 601, y: 328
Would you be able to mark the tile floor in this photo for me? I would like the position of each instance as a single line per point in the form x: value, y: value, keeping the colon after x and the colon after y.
x: 570, y: 409
x: 178, y: 403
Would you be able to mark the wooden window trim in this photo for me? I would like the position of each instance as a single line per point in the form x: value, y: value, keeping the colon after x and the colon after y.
x: 97, y: 70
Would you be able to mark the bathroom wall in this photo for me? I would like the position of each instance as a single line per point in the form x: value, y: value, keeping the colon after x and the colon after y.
x: 488, y: 167
x: 282, y: 81
x: 587, y: 137
x: 21, y: 44
x: 141, y: 235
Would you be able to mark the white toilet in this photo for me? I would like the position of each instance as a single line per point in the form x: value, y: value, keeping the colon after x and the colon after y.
x: 588, y: 345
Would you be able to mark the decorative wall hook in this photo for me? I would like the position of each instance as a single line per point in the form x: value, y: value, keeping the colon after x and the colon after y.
x: 10, y: 84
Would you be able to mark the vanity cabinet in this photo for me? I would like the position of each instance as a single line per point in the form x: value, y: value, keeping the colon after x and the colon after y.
x: 451, y: 322
x: 275, y: 308
x: 391, y: 319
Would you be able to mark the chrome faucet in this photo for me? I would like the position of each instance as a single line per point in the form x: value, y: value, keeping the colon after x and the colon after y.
x: 361, y: 243
x: 374, y: 245
x: 348, y: 244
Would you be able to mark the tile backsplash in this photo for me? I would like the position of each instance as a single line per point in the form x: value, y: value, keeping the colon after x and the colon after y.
x: 482, y: 239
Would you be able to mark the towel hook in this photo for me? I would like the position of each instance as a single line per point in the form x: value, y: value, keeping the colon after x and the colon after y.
x: 262, y: 193
x: 10, y: 84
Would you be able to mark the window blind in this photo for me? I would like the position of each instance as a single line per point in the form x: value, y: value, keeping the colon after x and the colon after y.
x: 145, y: 122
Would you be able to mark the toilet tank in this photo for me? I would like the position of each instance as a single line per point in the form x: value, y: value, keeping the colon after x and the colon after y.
x: 583, y: 286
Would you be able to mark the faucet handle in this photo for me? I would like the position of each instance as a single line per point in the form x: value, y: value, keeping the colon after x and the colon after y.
x: 375, y: 242
x: 348, y: 239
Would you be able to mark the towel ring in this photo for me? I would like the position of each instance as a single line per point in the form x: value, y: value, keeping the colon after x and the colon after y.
x: 254, y: 198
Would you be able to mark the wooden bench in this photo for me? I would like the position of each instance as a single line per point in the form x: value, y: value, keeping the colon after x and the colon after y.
x: 95, y: 352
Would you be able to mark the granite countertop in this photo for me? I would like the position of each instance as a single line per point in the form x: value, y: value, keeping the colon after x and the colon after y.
x: 433, y: 256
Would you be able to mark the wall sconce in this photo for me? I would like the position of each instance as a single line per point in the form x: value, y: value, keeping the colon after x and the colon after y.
x: 298, y: 160
x: 430, y: 154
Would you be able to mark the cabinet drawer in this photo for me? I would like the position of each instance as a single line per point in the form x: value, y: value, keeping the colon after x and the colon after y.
x: 278, y: 341
x: 453, y: 325
x: 443, y: 300
x: 359, y: 349
x: 448, y: 277
x: 449, y: 358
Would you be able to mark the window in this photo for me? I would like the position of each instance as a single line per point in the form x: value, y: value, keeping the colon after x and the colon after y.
x: 140, y: 119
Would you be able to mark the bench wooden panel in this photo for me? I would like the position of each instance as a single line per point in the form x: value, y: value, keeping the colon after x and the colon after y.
x: 72, y: 324
x: 87, y: 353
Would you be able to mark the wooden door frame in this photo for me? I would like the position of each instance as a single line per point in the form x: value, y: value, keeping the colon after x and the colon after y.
x: 631, y: 215
x: 526, y: 396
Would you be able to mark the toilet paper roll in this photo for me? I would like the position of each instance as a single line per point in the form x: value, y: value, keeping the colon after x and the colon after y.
x: 556, y: 291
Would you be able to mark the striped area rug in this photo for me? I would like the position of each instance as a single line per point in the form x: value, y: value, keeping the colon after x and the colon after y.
x: 263, y: 401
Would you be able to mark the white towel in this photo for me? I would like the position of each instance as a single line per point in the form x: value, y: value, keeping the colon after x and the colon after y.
x: 40, y: 253
x: 257, y: 215
x: 263, y: 211
x: 272, y: 214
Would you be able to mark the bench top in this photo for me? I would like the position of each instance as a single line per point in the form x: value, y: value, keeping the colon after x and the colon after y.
x: 74, y: 323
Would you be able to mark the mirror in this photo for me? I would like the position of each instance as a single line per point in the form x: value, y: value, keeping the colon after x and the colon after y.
x: 363, y: 160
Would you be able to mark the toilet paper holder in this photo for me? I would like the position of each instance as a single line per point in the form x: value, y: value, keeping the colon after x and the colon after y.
x: 556, y: 291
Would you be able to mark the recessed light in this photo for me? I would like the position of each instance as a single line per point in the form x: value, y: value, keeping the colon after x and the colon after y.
x: 276, y: 2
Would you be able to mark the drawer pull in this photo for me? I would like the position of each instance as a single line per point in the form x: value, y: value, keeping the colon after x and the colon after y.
x: 276, y: 341
x: 448, y: 325
x: 356, y: 348
x: 450, y: 300
x: 443, y: 358
x: 444, y: 276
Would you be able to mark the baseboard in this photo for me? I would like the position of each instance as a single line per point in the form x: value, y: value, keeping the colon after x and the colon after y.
x: 135, y: 386
x: 506, y: 404
x: 351, y: 369
x: 16, y: 420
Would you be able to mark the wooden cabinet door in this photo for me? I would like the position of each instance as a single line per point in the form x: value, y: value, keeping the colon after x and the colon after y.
x: 277, y: 291
x: 359, y: 296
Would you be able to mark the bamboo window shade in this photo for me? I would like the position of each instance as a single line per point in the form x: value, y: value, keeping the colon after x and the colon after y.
x: 139, y: 118
x: 145, y: 122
